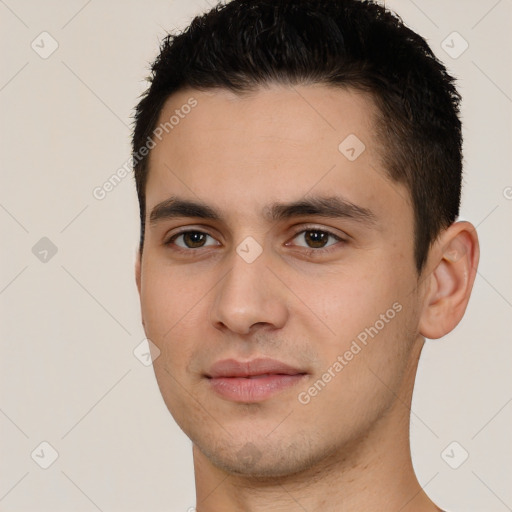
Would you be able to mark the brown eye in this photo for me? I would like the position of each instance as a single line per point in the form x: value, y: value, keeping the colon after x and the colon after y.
x: 315, y: 239
x: 194, y: 239
x: 191, y: 240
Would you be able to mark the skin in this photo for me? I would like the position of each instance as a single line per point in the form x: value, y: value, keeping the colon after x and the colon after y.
x: 347, y: 449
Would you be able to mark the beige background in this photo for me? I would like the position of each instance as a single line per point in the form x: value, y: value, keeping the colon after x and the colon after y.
x: 69, y: 325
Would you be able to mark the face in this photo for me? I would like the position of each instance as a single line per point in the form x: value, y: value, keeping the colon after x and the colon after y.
x: 284, y: 301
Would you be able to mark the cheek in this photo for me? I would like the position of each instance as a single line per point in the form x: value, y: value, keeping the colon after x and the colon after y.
x: 349, y: 301
x: 369, y: 315
x: 167, y: 294
x: 170, y: 304
x: 376, y: 330
x: 171, y: 307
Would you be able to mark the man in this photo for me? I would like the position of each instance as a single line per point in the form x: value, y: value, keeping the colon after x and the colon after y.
x: 298, y: 166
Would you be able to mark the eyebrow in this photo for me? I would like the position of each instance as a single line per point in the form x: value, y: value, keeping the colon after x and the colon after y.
x: 321, y: 206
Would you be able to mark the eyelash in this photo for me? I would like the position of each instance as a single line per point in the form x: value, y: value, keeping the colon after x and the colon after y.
x: 309, y: 251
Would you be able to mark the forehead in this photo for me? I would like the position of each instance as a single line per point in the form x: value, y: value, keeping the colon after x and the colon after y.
x: 278, y: 142
x: 293, y: 119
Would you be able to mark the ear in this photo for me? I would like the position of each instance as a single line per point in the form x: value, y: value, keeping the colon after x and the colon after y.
x: 138, y: 269
x: 453, y: 261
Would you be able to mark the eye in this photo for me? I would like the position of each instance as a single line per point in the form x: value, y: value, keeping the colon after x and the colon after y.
x: 191, y: 240
x: 315, y: 238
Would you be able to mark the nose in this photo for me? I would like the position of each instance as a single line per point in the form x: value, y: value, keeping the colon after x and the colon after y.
x: 248, y: 296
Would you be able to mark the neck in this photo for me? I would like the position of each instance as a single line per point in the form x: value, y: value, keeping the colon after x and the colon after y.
x: 374, y: 474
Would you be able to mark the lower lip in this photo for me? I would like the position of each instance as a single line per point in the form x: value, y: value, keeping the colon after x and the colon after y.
x: 255, y: 389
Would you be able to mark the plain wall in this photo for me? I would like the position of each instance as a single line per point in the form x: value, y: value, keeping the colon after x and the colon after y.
x: 69, y: 325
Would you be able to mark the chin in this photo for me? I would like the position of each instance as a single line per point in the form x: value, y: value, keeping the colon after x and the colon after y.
x: 262, y: 460
x: 262, y: 470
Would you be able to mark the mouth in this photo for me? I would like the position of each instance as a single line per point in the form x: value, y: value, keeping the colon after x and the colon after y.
x: 252, y: 381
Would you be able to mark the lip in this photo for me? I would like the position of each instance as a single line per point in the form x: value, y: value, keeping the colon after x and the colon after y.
x: 252, y: 381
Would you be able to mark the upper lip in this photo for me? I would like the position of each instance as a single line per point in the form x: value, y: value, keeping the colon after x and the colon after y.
x: 260, y: 366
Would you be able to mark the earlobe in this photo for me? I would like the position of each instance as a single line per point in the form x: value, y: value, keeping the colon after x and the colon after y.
x: 454, y: 259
